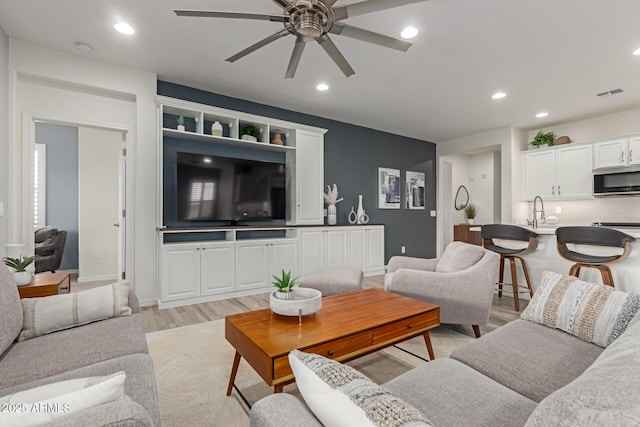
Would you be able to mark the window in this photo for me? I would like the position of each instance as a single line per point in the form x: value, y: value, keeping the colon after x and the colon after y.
x: 39, y: 180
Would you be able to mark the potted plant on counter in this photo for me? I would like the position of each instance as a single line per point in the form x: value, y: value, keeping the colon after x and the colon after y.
x: 19, y: 265
x: 470, y: 212
x: 284, y: 284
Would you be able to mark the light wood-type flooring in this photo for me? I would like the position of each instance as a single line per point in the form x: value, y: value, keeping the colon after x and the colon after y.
x: 154, y: 319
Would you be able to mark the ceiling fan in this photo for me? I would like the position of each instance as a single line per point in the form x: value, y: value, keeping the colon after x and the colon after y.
x: 313, y: 20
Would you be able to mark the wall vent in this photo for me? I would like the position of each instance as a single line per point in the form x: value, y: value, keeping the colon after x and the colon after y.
x: 610, y: 92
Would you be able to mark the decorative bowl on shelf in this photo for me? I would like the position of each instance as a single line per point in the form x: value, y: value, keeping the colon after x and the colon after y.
x: 306, y: 299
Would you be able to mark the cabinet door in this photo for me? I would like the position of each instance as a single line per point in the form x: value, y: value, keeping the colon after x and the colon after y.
x: 309, y: 178
x: 375, y: 250
x: 283, y: 256
x: 180, y: 272
x: 217, y: 267
x: 335, y: 248
x: 634, y: 151
x: 574, y: 177
x: 539, y: 175
x: 311, y: 249
x: 609, y: 154
x: 357, y: 245
x: 252, y: 268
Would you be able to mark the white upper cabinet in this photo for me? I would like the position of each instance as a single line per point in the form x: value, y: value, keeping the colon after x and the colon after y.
x: 309, y: 179
x: 610, y: 154
x: 559, y: 173
x: 634, y: 151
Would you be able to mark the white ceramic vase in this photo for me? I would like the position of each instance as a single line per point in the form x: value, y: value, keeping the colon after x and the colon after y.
x: 360, y: 212
x: 22, y: 277
x: 471, y: 221
x: 331, y: 215
x: 181, y: 128
x: 216, y: 129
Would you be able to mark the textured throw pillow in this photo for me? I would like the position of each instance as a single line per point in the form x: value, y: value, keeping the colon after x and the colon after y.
x: 11, y: 319
x: 58, y: 312
x: 459, y: 256
x: 340, y: 396
x: 52, y: 402
x: 592, y: 312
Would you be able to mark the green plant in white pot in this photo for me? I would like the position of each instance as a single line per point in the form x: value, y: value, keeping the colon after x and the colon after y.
x: 470, y: 212
x: 285, y: 284
x: 19, y: 265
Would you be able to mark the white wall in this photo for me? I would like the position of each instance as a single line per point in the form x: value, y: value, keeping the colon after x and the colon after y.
x: 99, y: 158
x: 481, y: 179
x: 4, y: 137
x: 52, y: 84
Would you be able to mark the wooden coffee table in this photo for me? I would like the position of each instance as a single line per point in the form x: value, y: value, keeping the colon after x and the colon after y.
x: 348, y: 326
x: 46, y: 284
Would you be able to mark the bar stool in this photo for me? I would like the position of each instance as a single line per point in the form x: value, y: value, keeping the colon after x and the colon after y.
x: 513, y: 233
x: 592, y: 236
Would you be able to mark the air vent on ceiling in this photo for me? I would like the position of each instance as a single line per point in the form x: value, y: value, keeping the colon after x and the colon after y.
x: 610, y: 92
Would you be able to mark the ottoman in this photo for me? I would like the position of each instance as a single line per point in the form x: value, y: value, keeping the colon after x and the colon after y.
x: 334, y: 281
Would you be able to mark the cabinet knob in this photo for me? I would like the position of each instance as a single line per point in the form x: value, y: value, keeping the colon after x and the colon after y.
x: 410, y: 326
x: 330, y: 353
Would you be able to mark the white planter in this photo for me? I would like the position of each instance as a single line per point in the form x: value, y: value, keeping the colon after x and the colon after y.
x: 306, y: 299
x: 181, y: 128
x: 22, y: 277
x: 471, y: 221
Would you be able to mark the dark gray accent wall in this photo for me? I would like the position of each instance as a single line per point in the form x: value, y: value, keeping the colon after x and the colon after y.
x: 62, y: 185
x: 352, y: 155
x: 4, y: 137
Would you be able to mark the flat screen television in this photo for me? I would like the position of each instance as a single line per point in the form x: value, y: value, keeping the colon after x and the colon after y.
x: 216, y: 188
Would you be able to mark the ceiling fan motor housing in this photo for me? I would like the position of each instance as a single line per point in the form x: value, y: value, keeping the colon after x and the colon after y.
x: 309, y: 18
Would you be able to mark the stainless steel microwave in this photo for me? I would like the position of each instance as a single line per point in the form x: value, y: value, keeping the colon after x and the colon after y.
x: 616, y: 183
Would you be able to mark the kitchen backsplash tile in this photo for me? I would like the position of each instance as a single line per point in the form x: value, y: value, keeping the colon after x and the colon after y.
x: 584, y: 212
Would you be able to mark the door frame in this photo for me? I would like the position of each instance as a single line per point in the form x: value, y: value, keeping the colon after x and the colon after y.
x: 125, y: 240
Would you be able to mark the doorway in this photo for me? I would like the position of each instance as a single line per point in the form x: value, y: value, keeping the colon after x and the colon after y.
x: 85, y: 182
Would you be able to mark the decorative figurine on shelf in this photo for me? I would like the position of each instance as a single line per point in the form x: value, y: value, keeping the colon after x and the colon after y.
x: 216, y: 129
x: 180, y: 121
x: 276, y: 139
x: 331, y: 199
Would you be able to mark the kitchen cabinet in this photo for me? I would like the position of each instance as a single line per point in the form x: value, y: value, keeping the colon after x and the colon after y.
x: 616, y: 153
x: 468, y: 234
x: 258, y: 260
x: 558, y: 173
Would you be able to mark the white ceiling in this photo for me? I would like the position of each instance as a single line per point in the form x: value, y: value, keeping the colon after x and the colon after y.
x: 548, y: 55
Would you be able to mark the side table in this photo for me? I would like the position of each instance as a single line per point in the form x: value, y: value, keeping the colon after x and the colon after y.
x: 46, y: 284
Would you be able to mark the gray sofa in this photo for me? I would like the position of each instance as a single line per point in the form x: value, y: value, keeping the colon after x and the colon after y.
x: 96, y: 349
x: 521, y: 374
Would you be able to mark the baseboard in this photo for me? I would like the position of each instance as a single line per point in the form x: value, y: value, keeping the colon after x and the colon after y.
x: 97, y: 278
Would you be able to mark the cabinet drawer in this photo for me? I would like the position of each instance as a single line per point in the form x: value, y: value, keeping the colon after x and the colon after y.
x: 331, y: 350
x: 406, y: 326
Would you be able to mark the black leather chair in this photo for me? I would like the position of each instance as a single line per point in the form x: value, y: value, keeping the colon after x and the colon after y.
x: 49, y: 248
x: 592, y: 236
x: 513, y: 233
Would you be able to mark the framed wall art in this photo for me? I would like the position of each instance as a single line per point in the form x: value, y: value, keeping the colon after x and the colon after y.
x: 415, y: 190
x: 388, y: 188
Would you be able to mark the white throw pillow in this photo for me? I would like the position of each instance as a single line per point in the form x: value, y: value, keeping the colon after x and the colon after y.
x: 45, y: 404
x: 340, y: 396
x: 54, y: 313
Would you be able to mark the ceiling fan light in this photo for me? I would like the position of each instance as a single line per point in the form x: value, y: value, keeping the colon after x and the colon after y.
x: 308, y: 25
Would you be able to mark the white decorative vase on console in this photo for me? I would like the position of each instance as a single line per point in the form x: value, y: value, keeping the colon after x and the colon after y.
x: 331, y: 215
x: 360, y: 213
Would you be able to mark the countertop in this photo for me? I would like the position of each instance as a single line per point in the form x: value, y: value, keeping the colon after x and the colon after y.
x: 547, y: 229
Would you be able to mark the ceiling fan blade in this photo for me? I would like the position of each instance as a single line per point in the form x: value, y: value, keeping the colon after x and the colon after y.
x: 298, y: 48
x: 332, y: 50
x: 258, y: 45
x: 283, y: 3
x: 369, y: 6
x: 369, y: 36
x: 236, y: 15
x: 329, y: 3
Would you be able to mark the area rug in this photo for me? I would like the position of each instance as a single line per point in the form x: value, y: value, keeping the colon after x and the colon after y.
x: 193, y: 363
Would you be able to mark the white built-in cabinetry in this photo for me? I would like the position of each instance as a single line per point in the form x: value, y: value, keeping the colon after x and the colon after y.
x: 617, y: 152
x: 227, y: 262
x: 558, y: 173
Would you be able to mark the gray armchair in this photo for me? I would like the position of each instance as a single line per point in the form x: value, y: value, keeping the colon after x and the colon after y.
x: 461, y: 282
x: 49, y: 248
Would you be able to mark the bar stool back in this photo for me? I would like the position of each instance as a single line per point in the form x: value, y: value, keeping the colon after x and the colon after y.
x: 513, y: 233
x: 592, y: 236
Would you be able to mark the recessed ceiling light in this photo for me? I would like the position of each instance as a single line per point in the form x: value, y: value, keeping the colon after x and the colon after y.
x: 542, y: 114
x: 637, y: 51
x: 498, y: 95
x: 207, y: 160
x: 322, y: 87
x: 409, y: 33
x: 124, y: 28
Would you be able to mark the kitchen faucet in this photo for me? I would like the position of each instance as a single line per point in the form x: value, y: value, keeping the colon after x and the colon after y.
x: 535, y: 211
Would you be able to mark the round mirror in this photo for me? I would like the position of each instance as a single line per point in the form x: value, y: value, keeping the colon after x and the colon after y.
x: 462, y: 198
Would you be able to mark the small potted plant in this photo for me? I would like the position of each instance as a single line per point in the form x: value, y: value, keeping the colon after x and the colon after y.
x: 250, y: 133
x: 180, y: 121
x: 470, y: 212
x: 19, y: 265
x: 542, y: 139
x: 284, y: 284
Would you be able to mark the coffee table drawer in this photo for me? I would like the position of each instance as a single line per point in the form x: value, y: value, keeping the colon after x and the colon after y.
x: 405, y: 327
x: 331, y: 350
